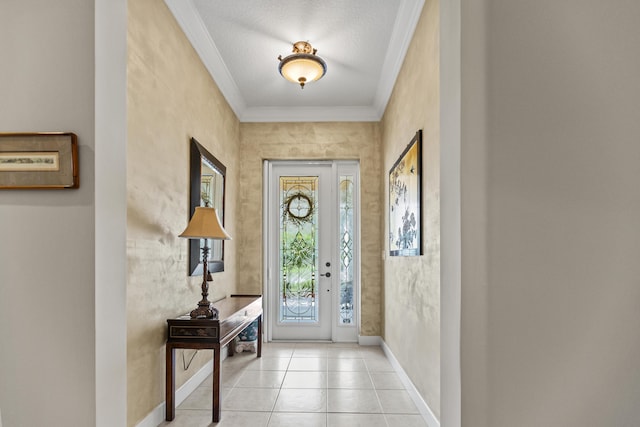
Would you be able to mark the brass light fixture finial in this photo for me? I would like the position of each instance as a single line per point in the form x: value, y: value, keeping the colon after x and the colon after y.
x: 303, y: 65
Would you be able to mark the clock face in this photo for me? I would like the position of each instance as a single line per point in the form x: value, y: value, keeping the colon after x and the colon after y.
x: 299, y: 206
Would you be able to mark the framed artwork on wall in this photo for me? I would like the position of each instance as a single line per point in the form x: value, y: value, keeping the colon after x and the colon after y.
x: 45, y: 160
x: 405, y: 211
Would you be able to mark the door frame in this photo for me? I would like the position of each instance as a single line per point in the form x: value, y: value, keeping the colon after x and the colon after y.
x: 339, y: 333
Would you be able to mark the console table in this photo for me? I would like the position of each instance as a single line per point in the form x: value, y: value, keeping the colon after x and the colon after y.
x: 234, y: 314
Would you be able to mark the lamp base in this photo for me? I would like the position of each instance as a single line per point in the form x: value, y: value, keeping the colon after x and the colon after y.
x: 204, y: 311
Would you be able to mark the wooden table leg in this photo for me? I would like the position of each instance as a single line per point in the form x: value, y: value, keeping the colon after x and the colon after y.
x: 231, y: 348
x: 170, y: 392
x: 259, y: 352
x: 216, y: 383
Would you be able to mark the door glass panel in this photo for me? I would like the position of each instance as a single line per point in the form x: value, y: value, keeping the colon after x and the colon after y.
x: 298, y: 249
x: 345, y: 239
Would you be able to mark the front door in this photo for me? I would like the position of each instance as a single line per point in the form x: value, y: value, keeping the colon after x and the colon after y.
x: 306, y: 297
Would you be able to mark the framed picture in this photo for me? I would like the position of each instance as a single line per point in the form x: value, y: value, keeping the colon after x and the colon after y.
x: 405, y: 213
x: 38, y: 160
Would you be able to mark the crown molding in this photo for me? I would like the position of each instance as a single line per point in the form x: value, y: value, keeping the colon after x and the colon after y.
x: 403, y: 29
x: 309, y: 114
x: 191, y: 23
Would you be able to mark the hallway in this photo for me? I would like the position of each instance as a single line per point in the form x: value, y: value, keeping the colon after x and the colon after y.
x: 304, y: 384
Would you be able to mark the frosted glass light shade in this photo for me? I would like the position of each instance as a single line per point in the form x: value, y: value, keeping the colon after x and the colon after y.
x: 303, y: 65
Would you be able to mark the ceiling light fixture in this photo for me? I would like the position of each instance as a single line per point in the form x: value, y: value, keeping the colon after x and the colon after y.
x: 303, y: 66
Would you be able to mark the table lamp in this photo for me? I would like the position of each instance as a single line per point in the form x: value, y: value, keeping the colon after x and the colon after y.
x: 205, y: 224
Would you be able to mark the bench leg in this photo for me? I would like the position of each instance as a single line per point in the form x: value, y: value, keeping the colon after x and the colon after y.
x: 259, y: 350
x: 231, y: 348
x: 170, y: 392
x: 216, y: 384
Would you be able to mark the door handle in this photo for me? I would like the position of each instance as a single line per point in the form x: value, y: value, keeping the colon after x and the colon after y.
x: 327, y: 274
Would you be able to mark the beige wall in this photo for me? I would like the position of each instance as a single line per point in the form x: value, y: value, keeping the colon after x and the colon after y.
x: 550, y: 164
x: 171, y: 98
x: 412, y: 284
x: 47, y: 311
x: 273, y: 141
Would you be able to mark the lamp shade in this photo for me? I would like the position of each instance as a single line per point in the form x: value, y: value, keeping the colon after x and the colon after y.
x: 205, y: 225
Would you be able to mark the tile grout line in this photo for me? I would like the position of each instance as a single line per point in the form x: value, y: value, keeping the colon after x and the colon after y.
x: 384, y: 416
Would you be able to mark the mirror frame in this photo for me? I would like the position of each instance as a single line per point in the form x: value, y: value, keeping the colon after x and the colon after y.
x: 197, y: 154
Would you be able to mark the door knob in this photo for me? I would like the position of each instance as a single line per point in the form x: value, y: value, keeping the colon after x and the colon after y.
x: 327, y: 274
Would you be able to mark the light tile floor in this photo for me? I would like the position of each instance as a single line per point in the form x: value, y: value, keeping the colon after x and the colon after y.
x: 304, y: 384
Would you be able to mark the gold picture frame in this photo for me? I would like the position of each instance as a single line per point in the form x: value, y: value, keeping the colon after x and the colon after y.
x: 39, y: 160
x: 405, y: 210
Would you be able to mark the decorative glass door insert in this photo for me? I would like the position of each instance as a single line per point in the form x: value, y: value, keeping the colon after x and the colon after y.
x: 298, y: 249
x: 346, y: 246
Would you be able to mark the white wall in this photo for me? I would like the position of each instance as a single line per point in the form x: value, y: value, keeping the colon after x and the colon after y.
x: 550, y: 213
x: 450, y: 232
x: 111, y: 213
x: 47, y: 356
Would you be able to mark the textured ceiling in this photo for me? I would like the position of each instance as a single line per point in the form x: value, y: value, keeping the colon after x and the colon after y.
x: 362, y: 41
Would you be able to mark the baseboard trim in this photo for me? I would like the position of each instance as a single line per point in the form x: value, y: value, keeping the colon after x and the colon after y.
x: 424, y: 409
x: 369, y: 340
x: 157, y: 415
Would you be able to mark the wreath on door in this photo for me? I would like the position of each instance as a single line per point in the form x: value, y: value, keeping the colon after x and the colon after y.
x: 299, y: 207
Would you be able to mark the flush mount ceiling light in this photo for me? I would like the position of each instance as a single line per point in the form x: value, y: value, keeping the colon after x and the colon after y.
x: 303, y: 65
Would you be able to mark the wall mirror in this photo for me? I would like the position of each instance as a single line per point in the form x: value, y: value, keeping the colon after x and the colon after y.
x: 207, y: 177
